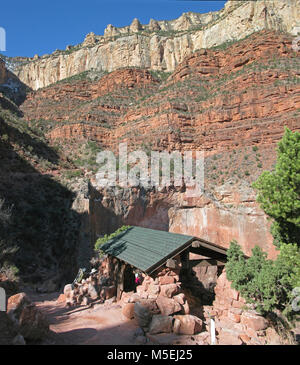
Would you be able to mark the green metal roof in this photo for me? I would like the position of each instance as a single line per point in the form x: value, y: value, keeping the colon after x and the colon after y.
x: 146, y: 249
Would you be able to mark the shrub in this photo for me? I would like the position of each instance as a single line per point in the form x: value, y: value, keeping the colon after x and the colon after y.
x: 265, y: 283
x: 268, y: 284
x: 279, y: 191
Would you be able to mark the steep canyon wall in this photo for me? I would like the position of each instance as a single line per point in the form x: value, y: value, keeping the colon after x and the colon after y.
x: 161, y: 45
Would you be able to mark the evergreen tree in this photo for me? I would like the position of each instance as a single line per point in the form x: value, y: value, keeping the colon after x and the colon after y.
x: 279, y: 191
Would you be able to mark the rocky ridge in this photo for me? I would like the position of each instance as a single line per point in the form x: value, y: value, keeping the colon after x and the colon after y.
x: 161, y: 45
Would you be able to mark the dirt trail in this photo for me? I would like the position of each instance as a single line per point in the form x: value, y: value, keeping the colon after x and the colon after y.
x: 101, y: 324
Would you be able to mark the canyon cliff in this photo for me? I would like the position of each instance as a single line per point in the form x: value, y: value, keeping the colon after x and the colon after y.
x: 225, y: 83
x: 231, y: 102
x: 160, y: 45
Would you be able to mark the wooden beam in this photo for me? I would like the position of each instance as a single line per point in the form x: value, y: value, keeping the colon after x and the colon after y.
x: 208, y: 253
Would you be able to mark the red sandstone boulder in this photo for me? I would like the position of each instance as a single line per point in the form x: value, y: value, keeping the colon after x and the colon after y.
x: 187, y: 324
x: 128, y: 310
x: 234, y: 315
x: 67, y: 289
x: 126, y: 296
x: 169, y: 290
x: 180, y: 298
x: 33, y: 323
x: 167, y: 306
x: 30, y: 321
x: 226, y: 338
x: 254, y: 321
x: 186, y: 308
x: 61, y: 299
x: 134, y: 298
x: 164, y: 280
x: 69, y: 294
x: 154, y: 289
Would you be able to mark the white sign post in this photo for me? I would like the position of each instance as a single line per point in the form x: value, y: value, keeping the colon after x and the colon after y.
x: 2, y: 300
x: 212, y: 331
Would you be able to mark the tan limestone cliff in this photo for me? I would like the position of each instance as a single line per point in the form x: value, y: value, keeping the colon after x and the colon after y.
x: 161, y: 45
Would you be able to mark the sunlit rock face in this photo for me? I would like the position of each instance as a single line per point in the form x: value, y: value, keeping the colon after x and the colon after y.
x: 160, y: 45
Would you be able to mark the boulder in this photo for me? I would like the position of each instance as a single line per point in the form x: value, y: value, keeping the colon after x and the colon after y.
x: 134, y: 298
x: 139, y: 332
x: 128, y: 310
x: 254, y: 321
x: 167, y: 306
x: 7, y: 329
x: 154, y: 289
x: 92, y: 292
x: 189, y: 324
x: 69, y: 294
x: 160, y: 324
x: 126, y: 296
x: 67, y: 290
x: 142, y: 315
x: 180, y: 298
x: 226, y: 338
x: 176, y: 325
x: 85, y: 301
x: 33, y: 323
x: 186, y: 308
x: 150, y: 304
x: 30, y: 321
x: 61, y: 298
x: 272, y: 337
x: 15, y: 305
x: 168, y: 290
x: 164, y: 280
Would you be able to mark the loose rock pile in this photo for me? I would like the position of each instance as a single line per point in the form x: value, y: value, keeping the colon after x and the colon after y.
x: 89, y: 290
x: 235, y: 323
x: 159, y: 306
x: 98, y: 286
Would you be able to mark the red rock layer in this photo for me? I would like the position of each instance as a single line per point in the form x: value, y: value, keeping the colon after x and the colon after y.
x: 214, y: 101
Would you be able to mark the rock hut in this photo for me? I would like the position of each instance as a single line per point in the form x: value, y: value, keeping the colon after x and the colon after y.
x: 167, y: 263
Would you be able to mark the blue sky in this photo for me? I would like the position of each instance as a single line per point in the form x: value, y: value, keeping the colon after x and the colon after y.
x: 39, y: 27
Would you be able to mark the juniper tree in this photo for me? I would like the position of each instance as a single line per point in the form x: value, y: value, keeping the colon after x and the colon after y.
x: 279, y: 190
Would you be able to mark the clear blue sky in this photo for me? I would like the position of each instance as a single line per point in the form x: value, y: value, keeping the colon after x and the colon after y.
x: 41, y: 26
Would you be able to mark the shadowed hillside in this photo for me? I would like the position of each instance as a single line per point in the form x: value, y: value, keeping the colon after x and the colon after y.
x: 38, y: 228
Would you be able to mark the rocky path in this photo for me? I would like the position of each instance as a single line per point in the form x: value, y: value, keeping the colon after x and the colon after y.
x: 101, y: 324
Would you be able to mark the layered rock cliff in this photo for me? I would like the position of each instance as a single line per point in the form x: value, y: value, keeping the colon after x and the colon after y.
x: 216, y: 100
x: 231, y: 102
x: 160, y: 45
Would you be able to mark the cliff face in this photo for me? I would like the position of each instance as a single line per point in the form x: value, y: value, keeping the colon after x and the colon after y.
x: 232, y: 102
x: 161, y: 45
x: 216, y: 100
x: 226, y: 213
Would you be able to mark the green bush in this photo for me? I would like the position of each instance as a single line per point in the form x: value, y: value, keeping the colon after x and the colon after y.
x: 268, y: 284
x: 279, y: 191
x: 265, y: 283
